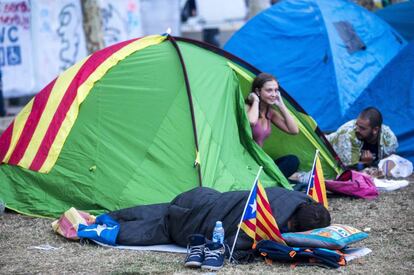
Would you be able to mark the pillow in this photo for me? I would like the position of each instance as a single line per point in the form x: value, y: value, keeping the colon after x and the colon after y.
x: 335, y: 236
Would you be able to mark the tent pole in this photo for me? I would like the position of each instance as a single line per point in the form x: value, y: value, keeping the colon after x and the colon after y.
x: 190, y: 101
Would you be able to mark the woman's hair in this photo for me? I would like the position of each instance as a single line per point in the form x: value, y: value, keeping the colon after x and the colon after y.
x: 309, y: 215
x: 258, y: 83
x: 260, y: 80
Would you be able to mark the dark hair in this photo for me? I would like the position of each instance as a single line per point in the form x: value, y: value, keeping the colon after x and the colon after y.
x: 373, y: 115
x: 260, y: 80
x: 309, y: 215
x: 258, y: 83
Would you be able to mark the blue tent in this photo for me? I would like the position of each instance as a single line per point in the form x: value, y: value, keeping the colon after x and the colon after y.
x: 393, y: 91
x: 401, y: 17
x: 324, y: 53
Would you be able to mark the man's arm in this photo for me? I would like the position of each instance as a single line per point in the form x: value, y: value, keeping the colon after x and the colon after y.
x: 389, y: 141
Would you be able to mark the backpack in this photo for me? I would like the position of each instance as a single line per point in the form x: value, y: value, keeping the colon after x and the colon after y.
x: 353, y: 183
x: 272, y: 250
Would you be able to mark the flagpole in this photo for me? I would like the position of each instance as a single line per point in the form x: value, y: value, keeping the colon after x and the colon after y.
x: 244, y: 211
x: 313, y: 167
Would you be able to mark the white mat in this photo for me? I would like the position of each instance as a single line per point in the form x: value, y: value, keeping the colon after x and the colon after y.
x: 355, y: 253
x: 390, y: 185
x: 160, y: 248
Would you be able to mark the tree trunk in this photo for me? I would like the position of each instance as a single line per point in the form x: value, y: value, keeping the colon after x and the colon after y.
x: 92, y: 25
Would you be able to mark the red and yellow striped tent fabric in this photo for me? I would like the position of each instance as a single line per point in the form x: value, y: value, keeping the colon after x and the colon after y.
x: 36, y: 136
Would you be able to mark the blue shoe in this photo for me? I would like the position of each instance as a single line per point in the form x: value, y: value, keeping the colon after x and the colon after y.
x: 213, y: 256
x: 195, y: 250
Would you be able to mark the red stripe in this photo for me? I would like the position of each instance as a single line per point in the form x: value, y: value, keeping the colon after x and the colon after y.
x: 5, y: 140
x: 265, y: 202
x: 318, y: 187
x: 87, y: 69
x: 264, y: 229
x: 250, y: 225
x: 269, y: 223
x: 31, y: 123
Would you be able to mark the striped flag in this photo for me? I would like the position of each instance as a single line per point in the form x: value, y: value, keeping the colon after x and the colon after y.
x: 316, y: 186
x: 258, y: 221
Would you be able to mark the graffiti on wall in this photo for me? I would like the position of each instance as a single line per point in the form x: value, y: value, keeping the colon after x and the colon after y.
x: 69, y: 22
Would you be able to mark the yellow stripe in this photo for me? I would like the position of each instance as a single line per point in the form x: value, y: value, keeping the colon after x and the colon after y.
x: 322, y: 182
x: 248, y: 231
x: 265, y: 224
x: 18, y: 125
x: 74, y: 217
x: 268, y: 214
x: 84, y: 90
x: 56, y: 95
x: 240, y: 72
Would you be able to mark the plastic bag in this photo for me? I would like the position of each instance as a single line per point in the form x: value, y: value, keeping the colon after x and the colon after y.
x: 396, y: 166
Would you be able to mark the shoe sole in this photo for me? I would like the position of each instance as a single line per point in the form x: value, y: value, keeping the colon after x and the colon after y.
x: 192, y: 264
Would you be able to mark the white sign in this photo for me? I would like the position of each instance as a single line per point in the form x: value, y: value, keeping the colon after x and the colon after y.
x: 15, y: 48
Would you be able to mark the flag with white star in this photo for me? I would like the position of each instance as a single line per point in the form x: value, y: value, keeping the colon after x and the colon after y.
x: 258, y: 221
x: 316, y: 186
x: 104, y: 230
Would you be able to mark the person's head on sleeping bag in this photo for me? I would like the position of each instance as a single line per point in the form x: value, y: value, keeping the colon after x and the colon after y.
x: 309, y: 215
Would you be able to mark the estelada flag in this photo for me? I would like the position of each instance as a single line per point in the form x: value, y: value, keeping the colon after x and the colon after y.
x: 258, y: 221
x: 316, y: 186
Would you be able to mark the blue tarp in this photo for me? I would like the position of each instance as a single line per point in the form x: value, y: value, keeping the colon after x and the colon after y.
x: 324, y: 53
x: 401, y: 17
x: 393, y: 90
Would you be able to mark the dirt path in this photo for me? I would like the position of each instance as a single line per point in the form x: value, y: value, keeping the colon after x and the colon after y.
x: 390, y: 219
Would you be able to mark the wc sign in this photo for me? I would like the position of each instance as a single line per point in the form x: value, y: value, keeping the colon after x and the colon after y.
x: 14, y: 24
x: 16, y: 56
x: 11, y: 54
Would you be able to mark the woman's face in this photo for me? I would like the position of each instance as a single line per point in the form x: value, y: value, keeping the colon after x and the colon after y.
x: 269, y: 93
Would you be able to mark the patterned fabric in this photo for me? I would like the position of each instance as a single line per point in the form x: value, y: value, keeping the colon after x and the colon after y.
x: 348, y: 147
x: 258, y: 221
x: 67, y: 225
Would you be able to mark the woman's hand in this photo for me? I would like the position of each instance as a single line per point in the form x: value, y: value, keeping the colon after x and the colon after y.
x: 253, y: 98
x: 278, y: 101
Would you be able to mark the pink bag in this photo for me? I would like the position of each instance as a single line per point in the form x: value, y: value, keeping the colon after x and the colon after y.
x: 354, y: 184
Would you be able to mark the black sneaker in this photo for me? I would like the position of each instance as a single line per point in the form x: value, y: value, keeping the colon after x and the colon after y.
x: 213, y: 256
x: 195, y: 250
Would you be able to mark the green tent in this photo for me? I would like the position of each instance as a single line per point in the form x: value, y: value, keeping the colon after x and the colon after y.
x: 138, y: 123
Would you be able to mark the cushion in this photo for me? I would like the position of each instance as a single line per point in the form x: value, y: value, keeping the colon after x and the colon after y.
x: 335, y: 236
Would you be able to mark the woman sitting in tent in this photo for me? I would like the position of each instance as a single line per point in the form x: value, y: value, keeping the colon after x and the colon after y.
x: 265, y: 93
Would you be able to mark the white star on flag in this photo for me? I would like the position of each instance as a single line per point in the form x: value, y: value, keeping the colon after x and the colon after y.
x: 99, y: 228
x: 253, y: 206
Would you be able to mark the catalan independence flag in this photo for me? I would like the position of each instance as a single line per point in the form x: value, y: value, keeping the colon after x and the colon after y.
x: 35, y: 138
x: 316, y: 186
x: 258, y: 221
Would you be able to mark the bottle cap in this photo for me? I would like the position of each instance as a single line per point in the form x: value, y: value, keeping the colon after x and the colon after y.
x: 219, y: 223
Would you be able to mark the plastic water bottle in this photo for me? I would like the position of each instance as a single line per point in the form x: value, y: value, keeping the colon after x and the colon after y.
x: 218, y: 233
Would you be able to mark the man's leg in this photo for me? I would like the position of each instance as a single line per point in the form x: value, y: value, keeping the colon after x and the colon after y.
x: 288, y: 165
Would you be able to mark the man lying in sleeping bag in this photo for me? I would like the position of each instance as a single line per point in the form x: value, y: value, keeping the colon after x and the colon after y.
x: 197, y: 210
